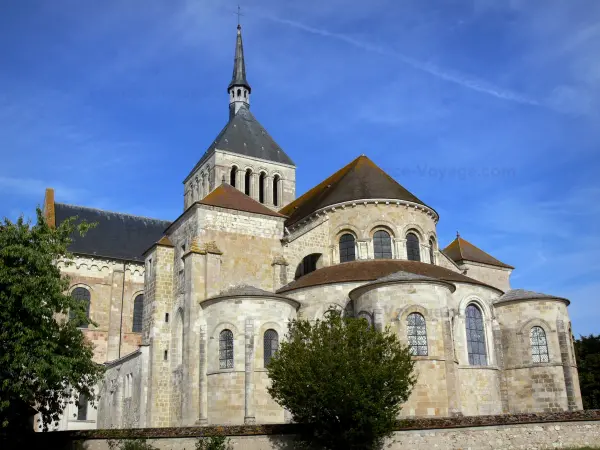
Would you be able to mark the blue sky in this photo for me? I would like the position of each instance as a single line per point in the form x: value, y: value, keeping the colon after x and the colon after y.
x: 488, y: 110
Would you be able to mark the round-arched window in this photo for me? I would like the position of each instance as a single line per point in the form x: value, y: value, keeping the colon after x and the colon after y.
x: 539, y: 345
x: 382, y: 245
x: 347, y: 248
x: 413, y: 252
x: 82, y: 295
x: 226, y: 349
x: 271, y: 345
x: 475, y: 336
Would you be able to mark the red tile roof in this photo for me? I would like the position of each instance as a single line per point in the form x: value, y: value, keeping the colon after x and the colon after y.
x: 226, y: 196
x: 370, y: 270
x: 360, y: 180
x: 462, y: 250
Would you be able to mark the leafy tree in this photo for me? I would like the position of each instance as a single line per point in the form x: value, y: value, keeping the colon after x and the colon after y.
x: 43, y: 356
x: 587, y: 351
x: 343, y: 380
x: 213, y: 443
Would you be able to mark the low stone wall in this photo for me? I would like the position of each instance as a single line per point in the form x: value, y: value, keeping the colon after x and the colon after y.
x: 522, y: 431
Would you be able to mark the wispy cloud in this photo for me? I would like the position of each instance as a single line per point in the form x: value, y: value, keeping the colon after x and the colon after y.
x: 445, y: 74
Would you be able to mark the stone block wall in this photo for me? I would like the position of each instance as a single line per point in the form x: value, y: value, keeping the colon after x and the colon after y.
x: 113, y: 286
x: 505, y: 432
x: 498, y: 277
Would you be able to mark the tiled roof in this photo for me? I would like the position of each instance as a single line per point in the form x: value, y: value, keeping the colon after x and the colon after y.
x: 244, y: 135
x: 226, y: 196
x: 402, y: 276
x: 362, y: 179
x: 375, y: 269
x: 462, y: 250
x: 522, y: 294
x: 117, y: 235
x: 239, y: 66
x: 246, y: 290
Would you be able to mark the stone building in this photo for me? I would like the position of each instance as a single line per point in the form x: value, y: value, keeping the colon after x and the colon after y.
x: 189, y: 312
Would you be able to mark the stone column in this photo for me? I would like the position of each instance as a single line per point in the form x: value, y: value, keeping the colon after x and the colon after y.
x: 254, y: 186
x: 400, y: 249
x: 114, y: 318
x: 203, y: 381
x: 249, y: 415
x: 567, y: 364
x: 269, y: 191
x: 452, y: 385
x: 362, y: 247
x: 239, y: 179
x: 497, y: 332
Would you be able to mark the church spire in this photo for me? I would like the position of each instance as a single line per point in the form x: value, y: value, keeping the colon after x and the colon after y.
x: 238, y: 89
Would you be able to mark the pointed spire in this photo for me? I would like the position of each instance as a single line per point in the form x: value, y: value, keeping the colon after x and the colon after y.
x: 239, y: 66
x: 238, y: 89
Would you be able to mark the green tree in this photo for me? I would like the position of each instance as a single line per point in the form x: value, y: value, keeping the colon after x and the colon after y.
x: 43, y: 355
x: 587, y: 351
x: 344, y: 381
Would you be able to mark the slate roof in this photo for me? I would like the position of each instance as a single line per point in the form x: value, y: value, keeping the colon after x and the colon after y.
x: 226, y: 196
x: 246, y: 290
x: 360, y: 180
x: 117, y: 235
x: 245, y: 136
x: 522, y: 294
x: 239, y: 66
x: 462, y: 250
x: 371, y: 270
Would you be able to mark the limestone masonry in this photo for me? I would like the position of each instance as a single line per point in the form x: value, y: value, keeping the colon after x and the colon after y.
x: 190, y: 312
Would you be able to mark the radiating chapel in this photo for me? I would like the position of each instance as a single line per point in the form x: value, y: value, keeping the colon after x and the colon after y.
x: 188, y: 313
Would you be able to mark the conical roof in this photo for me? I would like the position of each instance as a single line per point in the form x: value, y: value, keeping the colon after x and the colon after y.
x: 522, y: 294
x: 239, y: 65
x: 462, y: 250
x: 362, y: 179
x: 226, y: 196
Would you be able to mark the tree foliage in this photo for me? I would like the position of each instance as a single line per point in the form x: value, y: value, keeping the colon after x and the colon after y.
x: 42, y: 354
x: 587, y: 351
x: 343, y: 380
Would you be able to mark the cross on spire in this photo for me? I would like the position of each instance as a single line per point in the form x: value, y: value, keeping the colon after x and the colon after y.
x: 239, y: 14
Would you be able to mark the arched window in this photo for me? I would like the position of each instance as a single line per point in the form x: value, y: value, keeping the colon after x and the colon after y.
x: 247, y: 180
x: 203, y: 177
x: 367, y: 316
x: 475, y: 337
x: 138, y: 313
x: 539, y: 345
x: 261, y: 187
x: 413, y: 252
x: 431, y: 251
x: 226, y: 350
x: 271, y: 345
x: 417, y: 334
x: 276, y: 180
x: 239, y: 92
x: 233, y: 175
x: 347, y: 248
x: 81, y: 295
x: 307, y: 265
x: 382, y: 245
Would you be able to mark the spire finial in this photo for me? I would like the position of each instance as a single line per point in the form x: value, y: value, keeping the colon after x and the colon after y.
x: 239, y: 13
x: 457, y: 235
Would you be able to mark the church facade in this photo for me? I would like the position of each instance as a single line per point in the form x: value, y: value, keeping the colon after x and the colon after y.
x: 190, y: 312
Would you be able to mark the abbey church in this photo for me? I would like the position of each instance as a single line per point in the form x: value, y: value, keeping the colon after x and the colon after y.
x: 190, y: 312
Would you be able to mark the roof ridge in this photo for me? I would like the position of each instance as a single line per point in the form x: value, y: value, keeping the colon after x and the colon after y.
x: 112, y: 212
x: 462, y: 250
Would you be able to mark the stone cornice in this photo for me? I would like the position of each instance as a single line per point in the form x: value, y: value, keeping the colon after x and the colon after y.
x: 370, y: 201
